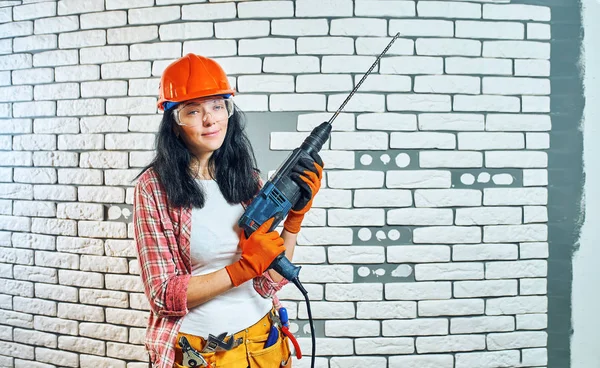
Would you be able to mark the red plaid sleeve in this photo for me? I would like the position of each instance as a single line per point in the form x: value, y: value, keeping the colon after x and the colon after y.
x: 164, y: 287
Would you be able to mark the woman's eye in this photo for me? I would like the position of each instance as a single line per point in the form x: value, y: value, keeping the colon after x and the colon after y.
x: 192, y: 112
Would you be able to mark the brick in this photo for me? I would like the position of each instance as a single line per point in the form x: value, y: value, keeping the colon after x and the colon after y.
x: 56, y: 91
x: 488, y: 216
x: 41, y: 338
x: 440, y: 9
x: 77, y: 73
x: 488, y: 359
x: 422, y: 140
x: 360, y: 102
x: 58, y: 159
x: 81, y: 279
x: 242, y: 29
x: 418, y: 291
x: 462, y: 65
x: 533, y: 286
x: 328, y: 8
x: 81, y: 345
x: 126, y: 4
x: 516, y: 269
x: 33, y: 76
x: 512, y: 340
x: 535, y: 103
x: 18, y: 93
x: 420, y: 216
x: 132, y: 69
x: 56, y: 24
x: 469, y: 289
x: 384, y: 346
x: 77, y: 7
x: 15, y: 29
x: 534, y: 250
x: 325, y: 45
x: 79, y: 245
x: 131, y: 35
x: 16, y: 287
x: 482, y: 324
x: 532, y: 321
x: 186, y: 31
x: 385, y: 8
x: 82, y: 39
x: 266, y: 9
x: 423, y: 361
x: 15, y: 61
x: 516, y: 86
x: 515, y: 196
x: 432, y: 308
x: 354, y: 292
x: 533, y: 68
x: 447, y: 84
x: 492, y: 30
x: 351, y: 328
x: 33, y: 241
x: 512, y: 233
x: 16, y: 191
x: 417, y: 179
x: 126, y: 317
x: 450, y: 343
x: 487, y: 103
x: 240, y: 65
x: 35, y: 43
x: 16, y: 350
x: 81, y: 107
x: 56, y: 125
x: 451, y: 271
x: 298, y: 27
x: 415, y: 327
x: 35, y: 175
x: 80, y: 312
x: 432, y: 159
x: 537, y: 31
x: 418, y: 254
x: 516, y: 159
x: 15, y: 158
x: 516, y: 11
x: 35, y: 274
x: 296, y: 102
x: 34, y: 306
x: 15, y: 223
x: 209, y: 11
x: 271, y: 46
x: 489, y: 141
x: 412, y: 65
x: 386, y: 121
x: 103, y: 20
x: 104, y: 89
x: 516, y: 49
x: 419, y: 27
x: 103, y: 54
x: 448, y: 46
x: 56, y: 292
x: 522, y: 122
x: 53, y: 227
x: 55, y: 58
x: 358, y: 27
x: 154, y: 15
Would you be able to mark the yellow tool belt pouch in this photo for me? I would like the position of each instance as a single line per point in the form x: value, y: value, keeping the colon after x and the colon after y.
x: 249, y: 352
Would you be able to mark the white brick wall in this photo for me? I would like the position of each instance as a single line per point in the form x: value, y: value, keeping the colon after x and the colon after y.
x: 455, y: 275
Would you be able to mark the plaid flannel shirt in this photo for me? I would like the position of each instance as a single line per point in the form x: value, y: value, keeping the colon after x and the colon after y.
x: 162, y: 236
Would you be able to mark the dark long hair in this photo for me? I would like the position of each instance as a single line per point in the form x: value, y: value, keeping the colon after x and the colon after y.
x: 234, y: 164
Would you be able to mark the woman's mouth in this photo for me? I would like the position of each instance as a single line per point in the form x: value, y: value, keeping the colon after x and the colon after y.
x: 211, y: 134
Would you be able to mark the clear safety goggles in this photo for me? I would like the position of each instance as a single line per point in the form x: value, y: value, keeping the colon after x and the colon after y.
x: 195, y: 112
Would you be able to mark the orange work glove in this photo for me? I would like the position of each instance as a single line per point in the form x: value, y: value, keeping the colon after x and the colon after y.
x: 307, y: 174
x: 258, y: 251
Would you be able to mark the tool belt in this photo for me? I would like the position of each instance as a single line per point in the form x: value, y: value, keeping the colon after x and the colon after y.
x: 253, y: 347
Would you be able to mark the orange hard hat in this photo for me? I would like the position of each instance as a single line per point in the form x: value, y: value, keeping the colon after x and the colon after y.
x: 189, y: 77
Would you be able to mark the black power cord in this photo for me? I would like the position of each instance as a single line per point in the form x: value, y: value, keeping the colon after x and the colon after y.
x: 300, y: 287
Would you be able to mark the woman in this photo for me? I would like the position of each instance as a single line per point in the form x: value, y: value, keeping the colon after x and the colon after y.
x: 196, y: 263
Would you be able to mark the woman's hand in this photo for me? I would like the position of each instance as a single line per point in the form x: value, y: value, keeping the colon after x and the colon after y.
x: 258, y: 252
x: 307, y: 174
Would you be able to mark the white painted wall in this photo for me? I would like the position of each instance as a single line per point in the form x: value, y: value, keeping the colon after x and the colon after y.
x: 586, y: 274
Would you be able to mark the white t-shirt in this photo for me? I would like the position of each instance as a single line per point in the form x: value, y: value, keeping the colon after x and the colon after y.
x: 214, y: 245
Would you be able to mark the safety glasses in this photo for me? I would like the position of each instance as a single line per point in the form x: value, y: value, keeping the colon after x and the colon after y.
x: 195, y: 112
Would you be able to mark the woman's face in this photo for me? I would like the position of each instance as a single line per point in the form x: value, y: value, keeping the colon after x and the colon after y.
x: 203, y: 123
